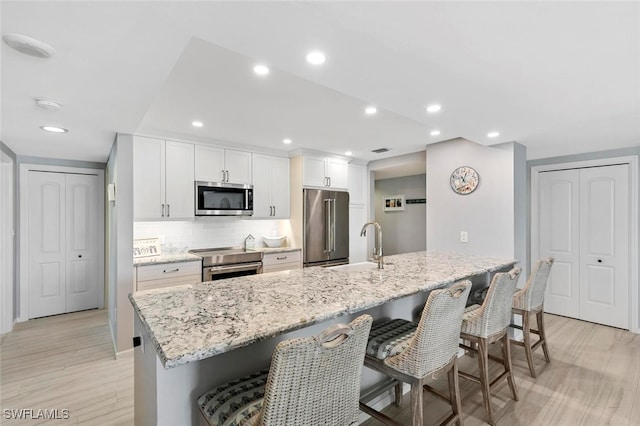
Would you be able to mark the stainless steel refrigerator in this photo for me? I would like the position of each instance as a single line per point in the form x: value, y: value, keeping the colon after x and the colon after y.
x: 326, y: 227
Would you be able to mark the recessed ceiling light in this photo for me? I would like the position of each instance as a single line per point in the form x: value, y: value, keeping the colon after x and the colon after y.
x: 28, y: 45
x: 435, y: 132
x: 434, y: 108
x: 371, y: 110
x: 348, y: 153
x: 261, y: 69
x: 54, y: 129
x: 316, y: 57
x: 286, y: 141
x: 197, y: 123
x: 493, y: 134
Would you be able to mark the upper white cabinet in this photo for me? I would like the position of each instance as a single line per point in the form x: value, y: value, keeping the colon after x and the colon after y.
x: 358, y: 187
x: 163, y: 179
x: 325, y: 172
x: 214, y: 164
x: 270, y: 187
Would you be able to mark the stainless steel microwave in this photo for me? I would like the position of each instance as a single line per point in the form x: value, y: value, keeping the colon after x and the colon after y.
x: 223, y: 199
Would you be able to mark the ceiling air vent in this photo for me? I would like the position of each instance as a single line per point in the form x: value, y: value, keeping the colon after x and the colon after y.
x: 380, y: 150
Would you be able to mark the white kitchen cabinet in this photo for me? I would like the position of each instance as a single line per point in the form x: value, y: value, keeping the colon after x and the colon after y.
x: 163, y: 181
x: 213, y: 164
x: 270, y: 187
x: 281, y: 261
x: 358, y: 187
x: 358, y: 216
x: 325, y: 172
x: 168, y: 275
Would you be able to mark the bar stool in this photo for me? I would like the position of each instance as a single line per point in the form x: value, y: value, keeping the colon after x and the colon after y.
x: 530, y: 300
x: 485, y: 324
x: 410, y: 352
x: 312, y: 381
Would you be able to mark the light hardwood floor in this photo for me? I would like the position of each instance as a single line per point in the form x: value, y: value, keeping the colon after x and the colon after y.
x: 593, y: 379
x: 67, y: 362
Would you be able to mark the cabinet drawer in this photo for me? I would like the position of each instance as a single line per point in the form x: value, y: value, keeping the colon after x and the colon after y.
x: 168, y: 282
x: 280, y: 267
x: 274, y: 259
x: 168, y: 270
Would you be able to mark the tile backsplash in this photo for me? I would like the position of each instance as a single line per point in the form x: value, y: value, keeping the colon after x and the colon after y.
x: 210, y: 232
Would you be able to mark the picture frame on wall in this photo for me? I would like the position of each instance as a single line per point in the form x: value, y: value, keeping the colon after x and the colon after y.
x: 394, y: 203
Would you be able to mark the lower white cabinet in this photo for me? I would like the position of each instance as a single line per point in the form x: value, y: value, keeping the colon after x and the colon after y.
x: 168, y: 275
x: 281, y: 261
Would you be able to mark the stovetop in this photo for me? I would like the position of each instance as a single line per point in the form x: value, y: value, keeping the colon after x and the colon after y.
x: 227, y: 256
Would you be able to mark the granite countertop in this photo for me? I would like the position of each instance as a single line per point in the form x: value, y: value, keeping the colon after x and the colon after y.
x: 194, y: 322
x: 165, y: 258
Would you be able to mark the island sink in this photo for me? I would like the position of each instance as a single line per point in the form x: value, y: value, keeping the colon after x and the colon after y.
x: 355, y: 267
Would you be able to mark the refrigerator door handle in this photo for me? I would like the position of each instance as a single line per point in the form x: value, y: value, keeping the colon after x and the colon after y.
x: 327, y: 225
x: 333, y: 225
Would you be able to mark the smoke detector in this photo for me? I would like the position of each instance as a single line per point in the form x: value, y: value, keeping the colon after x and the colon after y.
x: 48, y: 104
x: 28, y: 45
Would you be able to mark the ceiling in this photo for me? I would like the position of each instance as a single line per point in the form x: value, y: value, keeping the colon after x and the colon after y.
x: 559, y: 77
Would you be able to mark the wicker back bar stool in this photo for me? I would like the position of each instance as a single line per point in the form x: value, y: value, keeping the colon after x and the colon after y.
x: 312, y: 381
x: 485, y: 324
x: 410, y: 352
x: 530, y: 300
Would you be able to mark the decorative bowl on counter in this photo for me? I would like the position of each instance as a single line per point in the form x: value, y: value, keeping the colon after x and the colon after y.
x: 273, y: 241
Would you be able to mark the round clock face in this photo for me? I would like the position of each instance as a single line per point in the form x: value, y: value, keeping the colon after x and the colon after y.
x: 464, y: 180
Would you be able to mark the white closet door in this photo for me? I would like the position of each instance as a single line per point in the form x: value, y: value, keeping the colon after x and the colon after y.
x: 604, y: 227
x: 584, y: 224
x: 559, y: 226
x: 47, y: 244
x: 82, y: 241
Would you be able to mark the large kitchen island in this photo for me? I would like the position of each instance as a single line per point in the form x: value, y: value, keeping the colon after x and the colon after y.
x: 196, y: 337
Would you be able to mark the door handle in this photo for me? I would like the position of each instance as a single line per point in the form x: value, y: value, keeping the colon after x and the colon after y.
x: 168, y: 210
x: 163, y: 210
x: 274, y: 210
x: 329, y: 178
x: 327, y: 226
x: 227, y: 173
x: 168, y: 271
x: 333, y: 223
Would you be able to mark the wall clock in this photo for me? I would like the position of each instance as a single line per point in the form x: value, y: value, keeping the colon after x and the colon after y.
x: 464, y: 180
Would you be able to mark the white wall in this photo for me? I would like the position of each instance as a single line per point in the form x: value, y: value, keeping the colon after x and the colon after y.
x: 119, y: 217
x: 7, y: 242
x: 488, y: 215
x: 403, y: 231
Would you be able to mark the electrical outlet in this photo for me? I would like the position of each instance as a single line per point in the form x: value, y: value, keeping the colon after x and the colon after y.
x: 464, y: 237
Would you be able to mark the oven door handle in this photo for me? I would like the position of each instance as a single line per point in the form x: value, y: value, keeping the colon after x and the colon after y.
x: 238, y: 268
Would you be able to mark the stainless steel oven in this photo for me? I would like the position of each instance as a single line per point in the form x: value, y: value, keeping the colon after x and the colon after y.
x: 228, y: 262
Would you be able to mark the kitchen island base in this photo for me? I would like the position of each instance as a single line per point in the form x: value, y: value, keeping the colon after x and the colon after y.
x: 196, y: 337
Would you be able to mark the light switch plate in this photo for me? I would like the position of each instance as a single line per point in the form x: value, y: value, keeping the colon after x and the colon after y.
x: 464, y: 237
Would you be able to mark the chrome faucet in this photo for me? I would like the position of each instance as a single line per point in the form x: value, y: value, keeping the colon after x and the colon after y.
x: 377, y: 250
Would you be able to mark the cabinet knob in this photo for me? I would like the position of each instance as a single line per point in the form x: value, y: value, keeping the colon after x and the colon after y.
x: 599, y: 260
x: 79, y: 256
